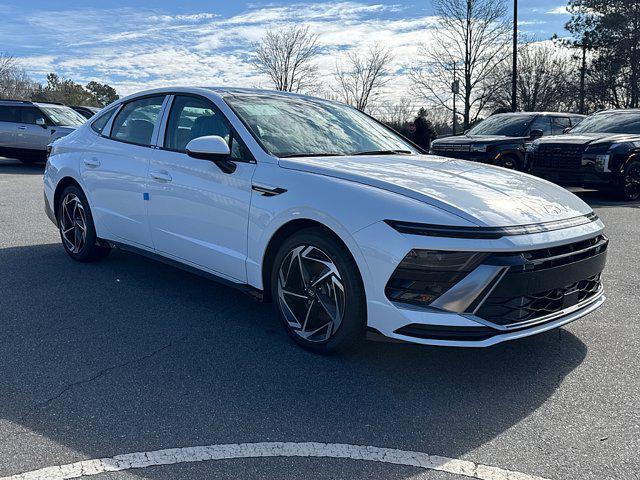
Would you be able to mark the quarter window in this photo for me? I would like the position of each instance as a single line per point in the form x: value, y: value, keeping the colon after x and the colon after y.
x: 193, y: 117
x: 136, y: 121
x: 99, y: 123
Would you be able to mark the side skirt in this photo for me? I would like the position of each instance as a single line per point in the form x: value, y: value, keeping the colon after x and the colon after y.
x: 253, y: 292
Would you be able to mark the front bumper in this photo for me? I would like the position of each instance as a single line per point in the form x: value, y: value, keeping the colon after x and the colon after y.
x: 454, y: 324
x: 574, y: 178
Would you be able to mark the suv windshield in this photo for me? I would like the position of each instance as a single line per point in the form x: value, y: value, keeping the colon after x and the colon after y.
x: 503, y: 124
x: 62, y: 116
x: 298, y: 127
x: 610, y: 122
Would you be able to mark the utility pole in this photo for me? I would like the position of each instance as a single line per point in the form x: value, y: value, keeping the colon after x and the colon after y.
x: 514, y: 73
x: 455, y: 88
x: 583, y: 73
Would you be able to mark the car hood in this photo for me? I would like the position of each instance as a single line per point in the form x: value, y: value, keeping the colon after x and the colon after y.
x: 481, y: 194
x: 469, y: 139
x: 587, y: 138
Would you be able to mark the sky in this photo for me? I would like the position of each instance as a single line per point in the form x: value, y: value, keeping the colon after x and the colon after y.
x: 134, y: 45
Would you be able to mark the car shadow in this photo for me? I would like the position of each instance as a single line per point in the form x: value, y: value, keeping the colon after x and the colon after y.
x: 596, y: 198
x: 16, y: 167
x: 130, y: 355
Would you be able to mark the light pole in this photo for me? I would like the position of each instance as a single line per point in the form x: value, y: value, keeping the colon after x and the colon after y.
x: 514, y: 72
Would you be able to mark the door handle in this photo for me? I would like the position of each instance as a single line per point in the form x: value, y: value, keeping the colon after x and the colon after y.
x: 161, y: 176
x: 22, y: 127
x: 92, y: 162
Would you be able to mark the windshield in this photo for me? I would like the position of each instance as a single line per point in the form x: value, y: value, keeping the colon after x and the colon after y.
x: 502, y: 124
x: 297, y: 127
x: 62, y: 116
x: 610, y: 122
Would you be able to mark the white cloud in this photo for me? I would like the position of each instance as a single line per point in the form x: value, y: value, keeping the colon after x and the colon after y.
x: 135, y: 49
x: 559, y: 10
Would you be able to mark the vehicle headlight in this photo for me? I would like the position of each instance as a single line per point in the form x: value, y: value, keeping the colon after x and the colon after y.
x: 602, y: 162
x: 479, y: 147
x: 424, y: 275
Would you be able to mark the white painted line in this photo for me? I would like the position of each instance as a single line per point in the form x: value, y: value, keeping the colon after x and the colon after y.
x: 173, y: 456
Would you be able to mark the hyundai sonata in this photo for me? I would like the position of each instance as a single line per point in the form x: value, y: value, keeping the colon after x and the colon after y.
x: 345, y: 225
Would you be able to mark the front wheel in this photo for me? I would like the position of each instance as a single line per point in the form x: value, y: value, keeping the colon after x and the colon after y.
x: 630, y: 190
x: 318, y: 291
x: 77, y: 230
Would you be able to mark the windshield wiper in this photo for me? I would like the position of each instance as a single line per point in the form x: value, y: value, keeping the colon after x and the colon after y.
x: 293, y: 155
x: 385, y: 152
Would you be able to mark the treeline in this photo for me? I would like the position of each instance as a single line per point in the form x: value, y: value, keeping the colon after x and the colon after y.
x: 16, y: 84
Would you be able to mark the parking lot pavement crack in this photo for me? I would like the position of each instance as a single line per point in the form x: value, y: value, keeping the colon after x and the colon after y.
x: 99, y: 375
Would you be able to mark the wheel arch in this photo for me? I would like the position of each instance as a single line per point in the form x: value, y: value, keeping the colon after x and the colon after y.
x: 63, y: 183
x: 279, y: 237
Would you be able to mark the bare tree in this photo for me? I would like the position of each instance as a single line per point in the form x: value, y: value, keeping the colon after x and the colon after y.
x: 364, y: 75
x: 547, y: 79
x: 14, y: 81
x: 286, y: 56
x: 471, y: 38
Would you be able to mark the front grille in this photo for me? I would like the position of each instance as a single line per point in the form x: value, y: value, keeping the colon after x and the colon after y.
x: 563, y: 157
x: 451, y: 147
x: 513, y: 310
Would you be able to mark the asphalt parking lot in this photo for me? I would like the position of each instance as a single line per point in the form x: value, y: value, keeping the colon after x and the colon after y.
x: 130, y: 355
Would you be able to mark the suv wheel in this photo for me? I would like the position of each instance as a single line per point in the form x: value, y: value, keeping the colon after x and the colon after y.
x: 318, y: 291
x: 76, y: 227
x: 631, y: 182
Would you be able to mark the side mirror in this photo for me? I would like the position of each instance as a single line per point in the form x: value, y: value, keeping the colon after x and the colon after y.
x: 466, y: 131
x: 566, y: 130
x: 536, y: 134
x: 41, y: 122
x: 212, y: 148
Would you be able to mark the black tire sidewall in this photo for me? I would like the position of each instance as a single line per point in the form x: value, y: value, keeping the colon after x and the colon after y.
x: 353, y: 324
x: 509, y: 158
x: 623, y: 193
x: 91, y: 250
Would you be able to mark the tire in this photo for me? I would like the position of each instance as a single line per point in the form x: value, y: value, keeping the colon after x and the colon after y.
x: 334, y: 307
x: 630, y: 183
x: 73, y: 214
x: 509, y: 161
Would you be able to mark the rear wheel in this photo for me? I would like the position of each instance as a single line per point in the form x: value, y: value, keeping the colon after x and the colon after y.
x: 77, y: 230
x: 318, y: 291
x: 630, y: 190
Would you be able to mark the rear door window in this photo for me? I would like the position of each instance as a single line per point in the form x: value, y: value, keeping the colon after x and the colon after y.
x: 136, y: 121
x: 8, y: 114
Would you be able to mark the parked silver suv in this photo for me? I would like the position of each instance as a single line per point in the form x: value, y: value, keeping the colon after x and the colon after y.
x: 26, y: 128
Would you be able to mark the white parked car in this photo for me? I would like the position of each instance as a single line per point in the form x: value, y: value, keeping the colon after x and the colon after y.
x: 344, y: 224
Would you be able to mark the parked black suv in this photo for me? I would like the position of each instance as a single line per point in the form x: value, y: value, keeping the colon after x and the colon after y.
x: 502, y: 138
x: 602, y: 152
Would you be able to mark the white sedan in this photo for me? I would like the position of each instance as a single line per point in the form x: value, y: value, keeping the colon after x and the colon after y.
x: 347, y: 226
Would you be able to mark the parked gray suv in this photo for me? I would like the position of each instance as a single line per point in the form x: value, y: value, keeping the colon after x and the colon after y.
x: 26, y: 128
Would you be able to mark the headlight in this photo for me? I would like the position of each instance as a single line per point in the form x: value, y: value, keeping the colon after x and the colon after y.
x: 602, y: 162
x: 424, y: 275
x: 479, y: 147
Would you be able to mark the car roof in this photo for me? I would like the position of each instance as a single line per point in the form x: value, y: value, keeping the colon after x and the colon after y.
x: 551, y: 114
x: 27, y: 102
x: 220, y: 92
x: 619, y: 110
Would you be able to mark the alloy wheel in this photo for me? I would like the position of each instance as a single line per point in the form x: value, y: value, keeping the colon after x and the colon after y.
x: 73, y: 223
x: 311, y: 293
x: 632, y: 182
